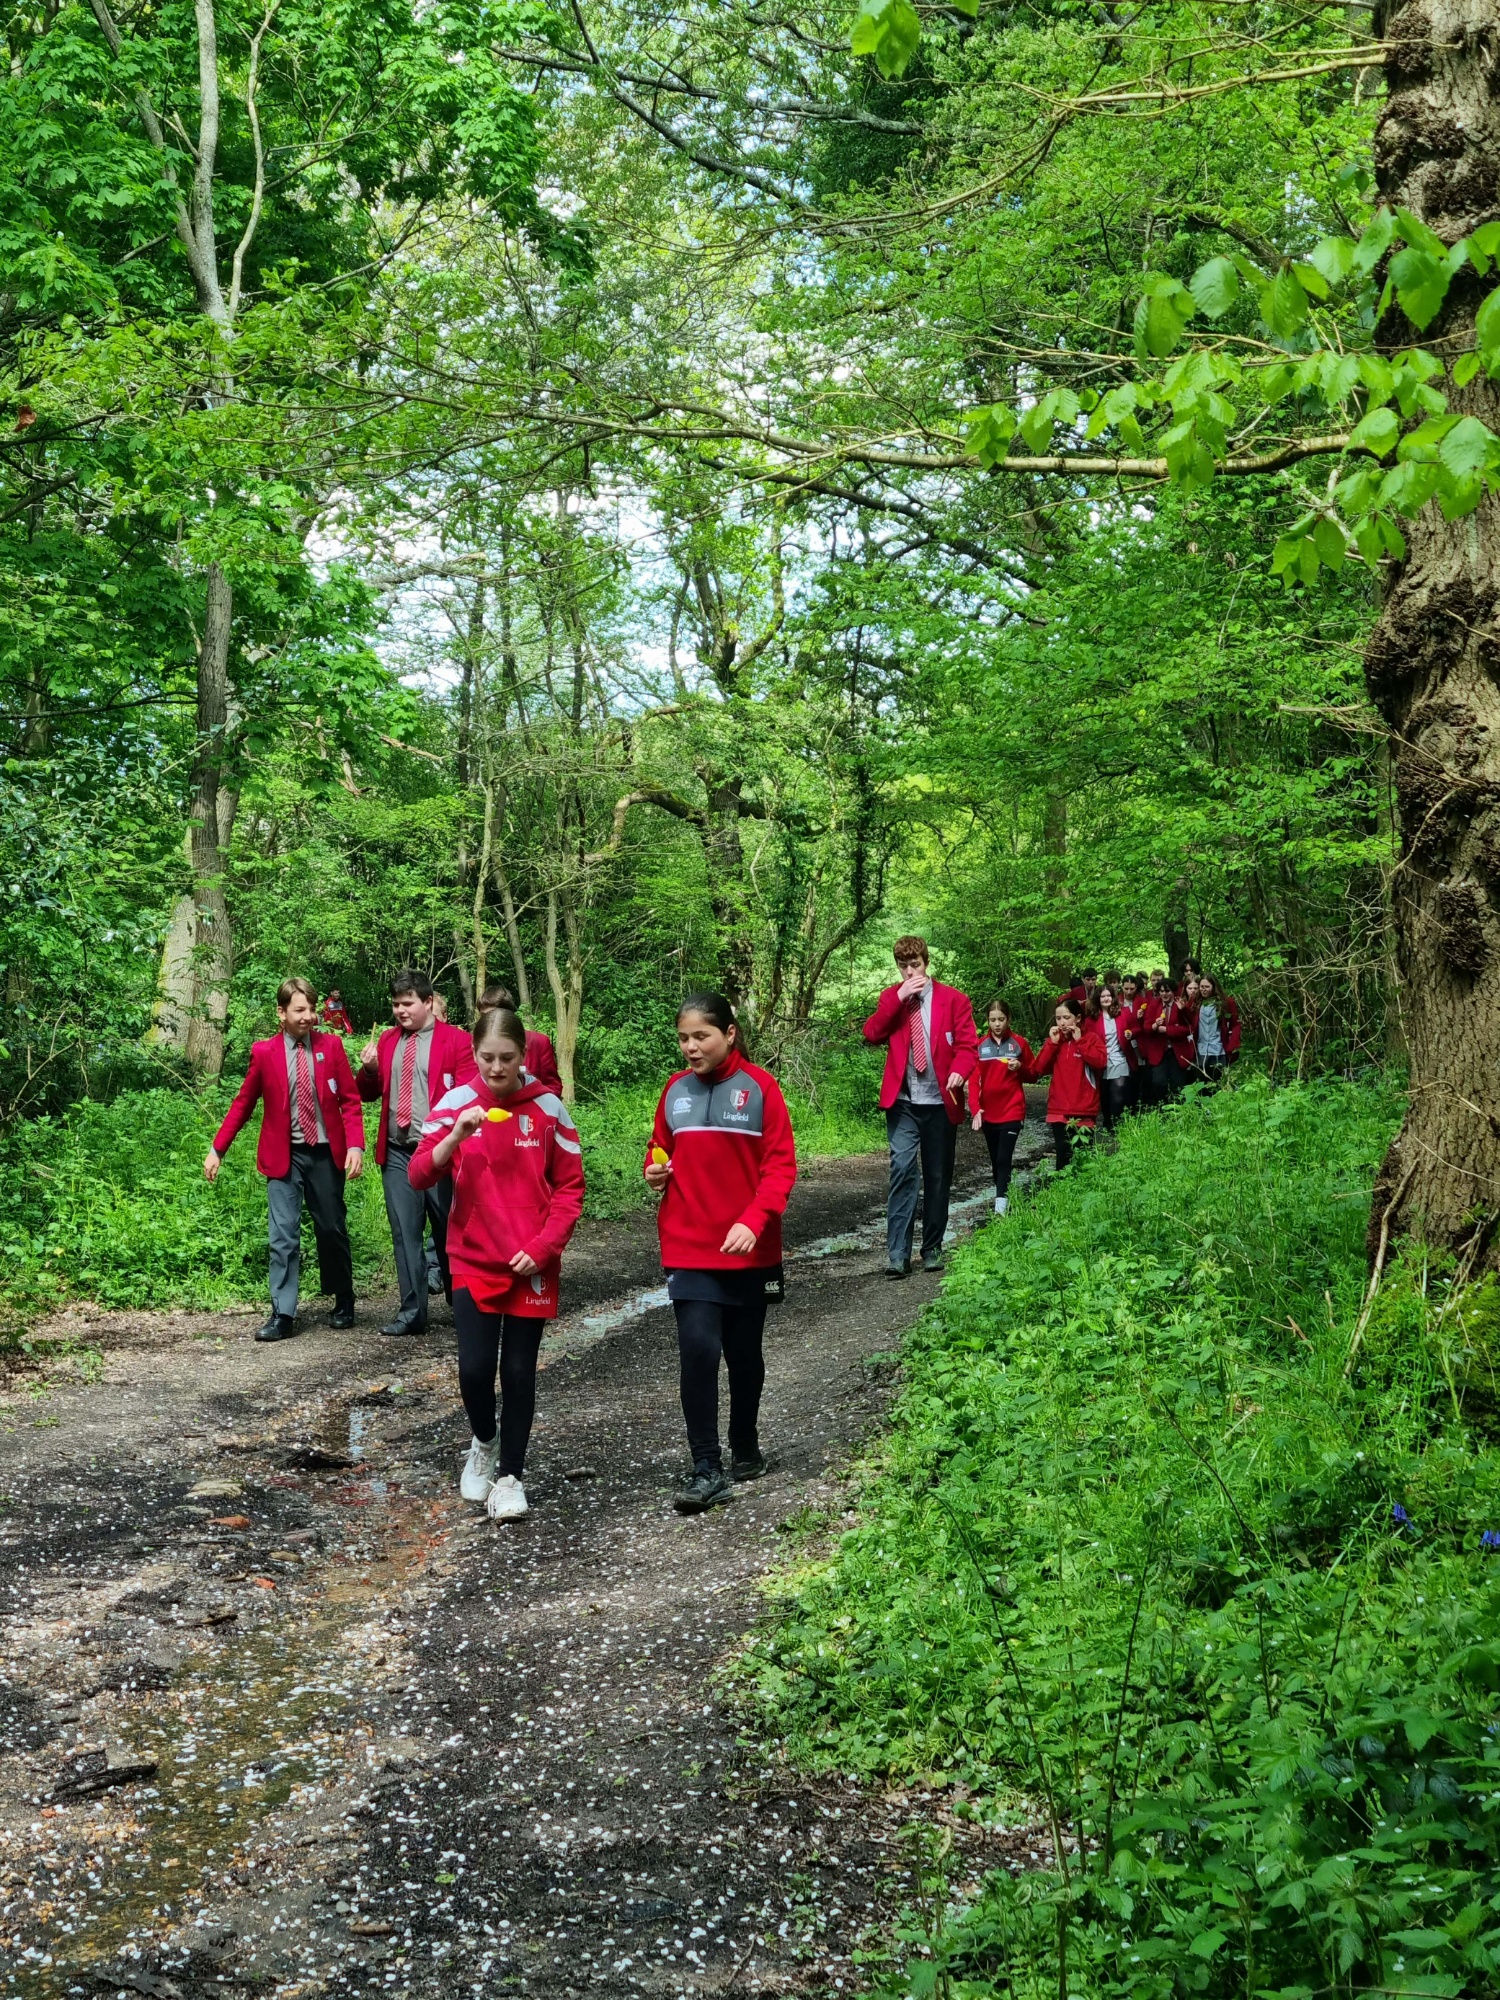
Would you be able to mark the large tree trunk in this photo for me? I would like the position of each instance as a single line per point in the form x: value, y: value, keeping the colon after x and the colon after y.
x: 566, y: 981
x: 1433, y: 665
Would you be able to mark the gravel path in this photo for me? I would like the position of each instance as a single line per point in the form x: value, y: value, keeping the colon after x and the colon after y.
x: 280, y: 1714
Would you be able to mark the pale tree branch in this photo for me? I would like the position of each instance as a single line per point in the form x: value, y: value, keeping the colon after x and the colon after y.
x: 252, y: 107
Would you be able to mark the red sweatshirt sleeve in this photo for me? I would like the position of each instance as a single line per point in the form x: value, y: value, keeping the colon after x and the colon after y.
x: 565, y: 1174
x: 1026, y: 1071
x: 965, y: 1043
x: 1046, y: 1056
x: 421, y: 1171
x: 1176, y: 1023
x: 778, y: 1163
x: 245, y: 1099
x: 541, y: 1059
x: 884, y: 1022
x: 1092, y: 1048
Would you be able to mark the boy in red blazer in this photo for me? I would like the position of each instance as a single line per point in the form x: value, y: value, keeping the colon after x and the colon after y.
x: 407, y: 1071
x: 931, y: 1050
x: 312, y: 1133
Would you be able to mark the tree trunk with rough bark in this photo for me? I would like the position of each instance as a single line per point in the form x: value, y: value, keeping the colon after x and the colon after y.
x: 565, y: 977
x: 1433, y: 670
x: 212, y: 940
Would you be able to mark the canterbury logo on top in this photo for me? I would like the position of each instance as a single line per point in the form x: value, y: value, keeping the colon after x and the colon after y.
x: 992, y: 1051
x: 736, y: 1105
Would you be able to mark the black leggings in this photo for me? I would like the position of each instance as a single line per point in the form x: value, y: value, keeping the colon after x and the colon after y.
x: 1065, y: 1136
x: 1001, y: 1140
x: 485, y: 1340
x: 705, y: 1332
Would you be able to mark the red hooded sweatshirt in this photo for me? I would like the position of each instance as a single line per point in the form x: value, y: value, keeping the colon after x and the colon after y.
x: 733, y: 1160
x: 995, y: 1088
x: 517, y: 1185
x: 1076, y: 1069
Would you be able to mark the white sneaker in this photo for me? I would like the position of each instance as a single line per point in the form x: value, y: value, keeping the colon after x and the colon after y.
x: 478, y: 1475
x: 507, y: 1501
x: 1002, y: 1203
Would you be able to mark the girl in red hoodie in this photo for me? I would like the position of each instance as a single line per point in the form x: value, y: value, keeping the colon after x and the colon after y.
x: 1074, y: 1056
x: 996, y: 1098
x: 517, y: 1172
x: 722, y: 1158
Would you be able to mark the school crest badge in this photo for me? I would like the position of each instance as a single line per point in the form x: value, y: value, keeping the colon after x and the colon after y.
x: 739, y: 1099
x: 524, y: 1121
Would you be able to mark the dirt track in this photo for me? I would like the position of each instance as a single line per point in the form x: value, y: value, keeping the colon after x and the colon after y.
x: 280, y: 1713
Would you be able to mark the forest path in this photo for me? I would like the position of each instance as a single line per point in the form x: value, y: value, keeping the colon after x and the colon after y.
x: 280, y: 1713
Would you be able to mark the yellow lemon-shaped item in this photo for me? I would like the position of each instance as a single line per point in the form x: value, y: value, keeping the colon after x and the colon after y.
x: 496, y: 1116
x: 660, y: 1157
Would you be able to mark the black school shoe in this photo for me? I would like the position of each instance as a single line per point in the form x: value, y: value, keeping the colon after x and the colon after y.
x: 898, y: 1270
x: 342, y: 1316
x: 398, y: 1327
x: 933, y: 1261
x: 748, y: 1465
x: 280, y: 1326
x: 707, y: 1488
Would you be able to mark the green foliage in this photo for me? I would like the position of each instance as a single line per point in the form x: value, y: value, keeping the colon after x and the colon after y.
x: 1138, y: 1551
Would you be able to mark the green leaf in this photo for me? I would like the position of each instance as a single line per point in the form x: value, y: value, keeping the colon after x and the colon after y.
x: 1283, y: 304
x: 988, y: 433
x: 1371, y: 547
x: 1334, y: 257
x: 1374, y: 242
x: 1329, y: 542
x: 1311, y: 279
x: 1414, y: 231
x: 888, y: 30
x: 1465, y: 369
x: 1421, y: 282
x: 1378, y: 431
x: 1467, y: 448
x: 1215, y: 286
x: 1206, y: 1943
x: 1487, y: 326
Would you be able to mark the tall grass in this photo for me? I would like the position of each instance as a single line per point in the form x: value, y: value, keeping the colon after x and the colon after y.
x: 1139, y: 1561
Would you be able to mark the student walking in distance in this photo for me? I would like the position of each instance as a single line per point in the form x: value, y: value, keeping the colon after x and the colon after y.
x: 1158, y: 1071
x: 996, y: 1097
x: 406, y: 1071
x: 541, y: 1057
x: 1217, y: 1028
x: 312, y: 1135
x: 517, y: 1171
x: 333, y: 1015
x: 930, y: 1053
x: 1117, y: 1026
x: 1073, y: 1056
x: 723, y: 1160
x: 1179, y: 1025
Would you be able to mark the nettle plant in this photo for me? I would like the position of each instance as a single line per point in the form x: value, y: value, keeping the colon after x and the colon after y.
x: 1411, y: 445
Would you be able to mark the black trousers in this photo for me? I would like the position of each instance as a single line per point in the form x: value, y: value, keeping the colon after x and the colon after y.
x: 503, y: 1341
x: 312, y: 1178
x: 923, y: 1141
x: 1114, y: 1100
x: 1161, y: 1080
x: 705, y: 1334
x: 1001, y: 1140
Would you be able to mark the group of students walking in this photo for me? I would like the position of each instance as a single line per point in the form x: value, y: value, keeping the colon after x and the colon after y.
x: 474, y: 1141
x: 1114, y: 1045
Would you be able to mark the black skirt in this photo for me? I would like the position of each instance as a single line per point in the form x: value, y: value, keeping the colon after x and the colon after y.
x: 764, y: 1285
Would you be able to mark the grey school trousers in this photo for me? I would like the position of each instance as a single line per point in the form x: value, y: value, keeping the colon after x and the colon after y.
x: 406, y: 1210
x: 313, y: 1178
x: 924, y: 1143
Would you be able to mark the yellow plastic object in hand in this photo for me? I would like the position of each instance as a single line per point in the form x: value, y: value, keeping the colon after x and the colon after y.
x: 496, y: 1116
x: 660, y: 1157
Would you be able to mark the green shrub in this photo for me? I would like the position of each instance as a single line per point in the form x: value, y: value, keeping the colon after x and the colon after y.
x: 1129, y: 1554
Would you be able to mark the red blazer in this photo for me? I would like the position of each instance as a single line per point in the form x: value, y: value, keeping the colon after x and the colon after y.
x: 1149, y: 1038
x: 1076, y: 1069
x: 541, y: 1059
x: 1178, y: 1024
x: 450, y: 1061
x: 1229, y: 1026
x: 955, y: 1044
x: 266, y: 1079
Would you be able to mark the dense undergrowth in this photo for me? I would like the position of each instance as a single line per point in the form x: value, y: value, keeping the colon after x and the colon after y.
x: 108, y: 1201
x: 1138, y: 1559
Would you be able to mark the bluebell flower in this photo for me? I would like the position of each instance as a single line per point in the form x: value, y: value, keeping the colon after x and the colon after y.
x: 1490, y: 1539
x: 1400, y: 1516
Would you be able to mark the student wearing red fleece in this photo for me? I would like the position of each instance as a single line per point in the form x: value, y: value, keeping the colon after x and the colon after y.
x: 723, y: 1160
x: 996, y: 1097
x: 1073, y: 1055
x: 930, y: 1053
x: 517, y: 1172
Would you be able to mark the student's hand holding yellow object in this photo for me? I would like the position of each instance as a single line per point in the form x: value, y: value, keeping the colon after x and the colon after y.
x: 659, y: 1172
